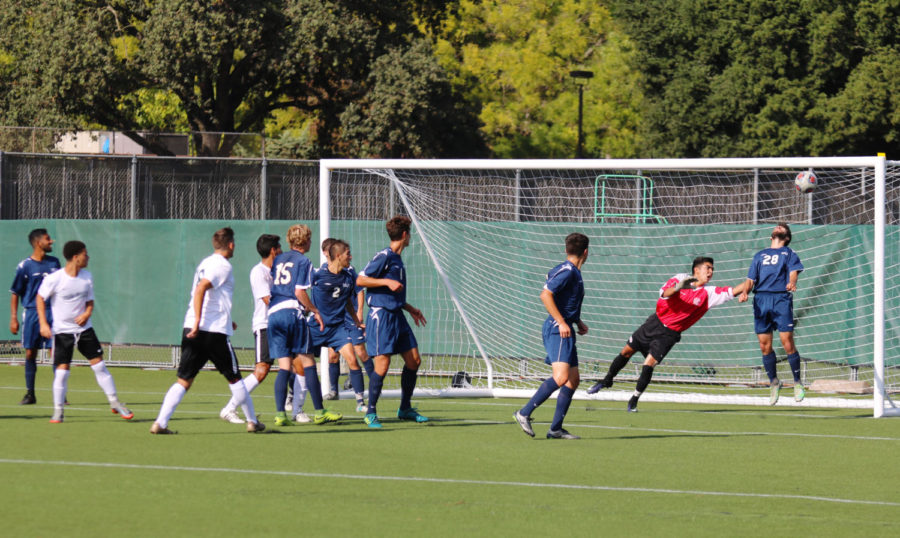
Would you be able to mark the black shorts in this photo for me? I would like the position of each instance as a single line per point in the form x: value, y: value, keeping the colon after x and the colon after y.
x: 64, y: 346
x: 654, y: 338
x: 207, y: 346
x: 262, y: 347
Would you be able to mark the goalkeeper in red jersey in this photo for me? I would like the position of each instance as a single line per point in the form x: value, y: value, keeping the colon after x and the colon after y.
x: 683, y: 300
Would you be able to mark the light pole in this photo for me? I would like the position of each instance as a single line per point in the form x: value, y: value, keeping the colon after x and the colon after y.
x: 581, y: 78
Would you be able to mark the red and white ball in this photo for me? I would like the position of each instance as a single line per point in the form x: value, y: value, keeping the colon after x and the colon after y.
x: 805, y: 182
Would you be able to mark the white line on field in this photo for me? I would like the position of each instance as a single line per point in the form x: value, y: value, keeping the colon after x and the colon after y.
x: 107, y: 465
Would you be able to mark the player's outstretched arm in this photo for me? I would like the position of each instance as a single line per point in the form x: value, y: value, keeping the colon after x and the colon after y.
x: 680, y: 285
x: 742, y: 290
x: 369, y: 282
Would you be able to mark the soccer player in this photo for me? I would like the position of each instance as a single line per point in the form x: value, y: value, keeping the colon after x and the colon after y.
x: 268, y: 246
x: 29, y: 274
x: 562, y: 296
x: 206, y: 335
x: 683, y: 300
x: 773, y: 278
x: 70, y: 292
x: 289, y: 338
x: 387, y: 331
x: 332, y: 290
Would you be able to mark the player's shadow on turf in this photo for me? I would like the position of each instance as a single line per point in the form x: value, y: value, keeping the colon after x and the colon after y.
x: 665, y: 436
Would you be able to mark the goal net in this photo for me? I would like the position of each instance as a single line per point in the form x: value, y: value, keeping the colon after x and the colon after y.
x: 485, y: 234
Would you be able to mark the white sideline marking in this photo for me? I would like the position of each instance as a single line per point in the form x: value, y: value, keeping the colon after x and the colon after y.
x: 445, y: 481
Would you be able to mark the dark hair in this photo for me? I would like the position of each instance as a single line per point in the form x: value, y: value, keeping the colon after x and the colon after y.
x: 36, y: 234
x: 326, y: 245
x: 700, y: 260
x: 222, y: 237
x: 576, y: 243
x: 396, y: 226
x: 266, y: 243
x: 72, y: 249
x: 337, y: 247
x: 786, y: 237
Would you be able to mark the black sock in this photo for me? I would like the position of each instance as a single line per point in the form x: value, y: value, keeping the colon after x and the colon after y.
x: 617, y: 364
x: 644, y: 380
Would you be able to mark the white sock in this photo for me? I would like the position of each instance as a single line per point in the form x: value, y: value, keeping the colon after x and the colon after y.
x: 299, y: 393
x: 106, y: 382
x: 250, y: 383
x: 241, y: 397
x: 60, y: 387
x: 170, y: 402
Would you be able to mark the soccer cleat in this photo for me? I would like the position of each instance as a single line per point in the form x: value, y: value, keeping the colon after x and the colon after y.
x: 229, y: 415
x: 122, y: 411
x: 302, y: 418
x: 411, y: 414
x: 372, y: 421
x: 57, y: 416
x: 561, y: 433
x: 156, y: 429
x: 632, y: 405
x: 775, y: 388
x: 28, y: 399
x: 597, y: 386
x: 325, y: 416
x: 361, y: 407
x: 255, y: 427
x: 332, y: 395
x: 282, y: 420
x: 524, y: 423
x: 799, y: 392
x: 289, y: 404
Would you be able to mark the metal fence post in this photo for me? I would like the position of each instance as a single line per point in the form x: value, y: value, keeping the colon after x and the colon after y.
x: 263, y: 181
x: 133, y: 186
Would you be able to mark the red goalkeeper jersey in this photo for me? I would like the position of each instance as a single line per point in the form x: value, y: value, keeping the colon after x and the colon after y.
x: 686, y: 307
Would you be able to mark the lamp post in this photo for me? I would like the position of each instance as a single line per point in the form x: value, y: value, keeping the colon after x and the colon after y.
x: 581, y: 78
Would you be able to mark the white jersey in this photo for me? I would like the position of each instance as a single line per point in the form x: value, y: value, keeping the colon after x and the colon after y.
x: 215, y: 317
x: 261, y: 287
x: 69, y: 296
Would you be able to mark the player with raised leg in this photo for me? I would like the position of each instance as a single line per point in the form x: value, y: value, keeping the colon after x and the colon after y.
x: 683, y: 300
x: 773, y: 278
x: 70, y: 291
x: 206, y: 333
x: 387, y: 331
x: 29, y: 274
x: 289, y: 335
x: 562, y: 296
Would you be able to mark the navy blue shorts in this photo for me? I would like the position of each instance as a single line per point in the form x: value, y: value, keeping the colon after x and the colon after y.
x: 31, y: 330
x: 388, y: 332
x: 357, y: 335
x: 773, y: 311
x: 559, y: 349
x: 334, y: 336
x: 288, y: 334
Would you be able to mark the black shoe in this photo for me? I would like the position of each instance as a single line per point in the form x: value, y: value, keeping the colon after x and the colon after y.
x: 28, y: 399
x: 599, y: 385
x: 561, y: 434
x: 632, y: 404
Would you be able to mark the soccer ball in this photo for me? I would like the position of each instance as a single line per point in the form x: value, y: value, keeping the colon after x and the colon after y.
x: 805, y: 182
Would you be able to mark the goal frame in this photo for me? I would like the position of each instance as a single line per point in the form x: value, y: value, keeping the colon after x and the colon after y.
x: 878, y: 164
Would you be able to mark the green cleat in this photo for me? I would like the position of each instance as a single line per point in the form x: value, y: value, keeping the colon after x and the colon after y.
x: 774, y: 390
x: 799, y: 392
x: 325, y: 416
x: 372, y: 421
x: 281, y: 419
x: 411, y: 414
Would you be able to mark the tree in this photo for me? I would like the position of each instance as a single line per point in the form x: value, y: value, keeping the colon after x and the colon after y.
x: 229, y: 63
x: 513, y: 59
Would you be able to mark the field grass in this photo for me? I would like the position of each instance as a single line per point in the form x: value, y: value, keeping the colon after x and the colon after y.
x: 667, y: 470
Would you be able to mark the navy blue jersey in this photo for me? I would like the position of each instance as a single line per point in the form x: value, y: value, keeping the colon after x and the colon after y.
x: 330, y: 293
x: 771, y: 268
x: 290, y: 270
x: 29, y: 275
x: 354, y: 299
x: 386, y: 264
x: 565, y: 282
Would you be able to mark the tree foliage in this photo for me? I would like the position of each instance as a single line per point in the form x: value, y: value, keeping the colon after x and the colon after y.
x: 767, y: 77
x: 229, y: 63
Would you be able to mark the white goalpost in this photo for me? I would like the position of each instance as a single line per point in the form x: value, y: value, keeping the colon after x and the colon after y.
x: 485, y: 233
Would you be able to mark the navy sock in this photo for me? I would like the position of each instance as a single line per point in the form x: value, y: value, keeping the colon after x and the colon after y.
x: 769, y: 362
x: 281, y: 388
x: 30, y: 373
x: 334, y: 373
x: 547, y: 388
x: 563, y: 401
x: 375, y: 383
x: 794, y: 361
x: 369, y: 367
x: 644, y: 379
x: 407, y: 386
x: 617, y: 364
x: 311, y: 373
x: 356, y: 381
